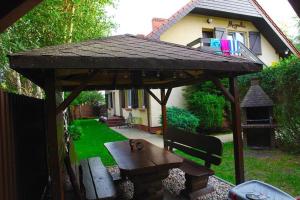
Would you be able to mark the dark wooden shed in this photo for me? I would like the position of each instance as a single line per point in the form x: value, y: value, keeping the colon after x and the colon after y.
x: 121, y: 62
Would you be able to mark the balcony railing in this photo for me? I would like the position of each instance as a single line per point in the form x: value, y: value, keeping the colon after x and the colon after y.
x: 240, y: 49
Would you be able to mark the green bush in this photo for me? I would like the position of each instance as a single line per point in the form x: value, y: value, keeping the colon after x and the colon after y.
x: 282, y: 83
x: 182, y: 119
x: 75, y: 130
x: 209, y: 108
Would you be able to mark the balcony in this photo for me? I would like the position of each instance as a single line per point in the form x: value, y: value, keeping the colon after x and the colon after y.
x: 239, y: 49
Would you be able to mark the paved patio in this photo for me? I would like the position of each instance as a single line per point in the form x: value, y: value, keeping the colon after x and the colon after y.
x: 133, y: 133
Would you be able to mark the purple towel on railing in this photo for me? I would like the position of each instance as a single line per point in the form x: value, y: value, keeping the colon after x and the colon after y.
x: 225, y: 47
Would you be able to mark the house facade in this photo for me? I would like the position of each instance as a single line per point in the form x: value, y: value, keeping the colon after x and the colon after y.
x: 243, y: 24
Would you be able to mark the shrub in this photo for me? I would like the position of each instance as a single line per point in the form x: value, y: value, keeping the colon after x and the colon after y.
x: 288, y: 135
x: 182, y: 119
x: 75, y: 130
x: 208, y: 108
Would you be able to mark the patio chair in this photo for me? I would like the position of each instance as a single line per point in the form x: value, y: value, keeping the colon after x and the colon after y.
x: 129, y: 121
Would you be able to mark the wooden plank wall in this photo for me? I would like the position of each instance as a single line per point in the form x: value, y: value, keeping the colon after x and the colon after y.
x: 23, y: 147
x: 7, y: 159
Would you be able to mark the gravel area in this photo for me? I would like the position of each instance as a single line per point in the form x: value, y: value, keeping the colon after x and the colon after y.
x: 175, y: 183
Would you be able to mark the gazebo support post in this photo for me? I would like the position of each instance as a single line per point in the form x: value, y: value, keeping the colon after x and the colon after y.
x: 163, y: 111
x: 237, y: 132
x: 54, y: 164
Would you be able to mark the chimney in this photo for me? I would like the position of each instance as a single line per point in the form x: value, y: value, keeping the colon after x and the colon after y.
x: 255, y: 81
x: 157, y: 22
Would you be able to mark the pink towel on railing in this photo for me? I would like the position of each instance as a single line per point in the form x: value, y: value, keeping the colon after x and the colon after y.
x: 225, y: 47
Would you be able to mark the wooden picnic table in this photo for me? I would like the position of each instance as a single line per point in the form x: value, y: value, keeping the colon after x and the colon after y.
x: 146, y: 167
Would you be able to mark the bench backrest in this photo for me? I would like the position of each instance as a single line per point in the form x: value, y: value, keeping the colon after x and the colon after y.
x: 207, y: 148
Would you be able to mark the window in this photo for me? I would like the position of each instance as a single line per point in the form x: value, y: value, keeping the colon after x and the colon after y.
x: 134, y: 99
x: 207, y: 35
x: 128, y: 98
x: 141, y: 99
x: 235, y: 38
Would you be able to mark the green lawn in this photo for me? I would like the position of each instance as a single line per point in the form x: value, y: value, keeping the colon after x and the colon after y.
x: 91, y: 142
x: 271, y: 166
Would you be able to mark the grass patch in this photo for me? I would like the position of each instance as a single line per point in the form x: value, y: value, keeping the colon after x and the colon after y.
x: 271, y: 166
x: 93, y: 137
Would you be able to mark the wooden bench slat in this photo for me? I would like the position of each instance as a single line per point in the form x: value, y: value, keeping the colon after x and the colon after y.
x: 206, y: 143
x: 87, y: 180
x: 196, y: 153
x: 103, y: 181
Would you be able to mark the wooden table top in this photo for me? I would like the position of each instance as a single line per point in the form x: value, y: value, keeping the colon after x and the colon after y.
x: 147, y: 160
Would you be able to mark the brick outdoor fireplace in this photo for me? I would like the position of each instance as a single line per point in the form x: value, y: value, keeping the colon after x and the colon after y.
x: 258, y: 124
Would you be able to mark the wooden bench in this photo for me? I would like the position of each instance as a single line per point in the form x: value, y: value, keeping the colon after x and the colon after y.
x: 207, y: 148
x: 95, y: 180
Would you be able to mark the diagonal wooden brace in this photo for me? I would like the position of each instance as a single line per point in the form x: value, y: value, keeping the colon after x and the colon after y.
x: 221, y: 87
x: 75, y: 92
x: 154, y: 96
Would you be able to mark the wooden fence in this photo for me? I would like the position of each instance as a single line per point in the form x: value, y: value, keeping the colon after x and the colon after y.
x: 23, y: 158
x: 87, y: 111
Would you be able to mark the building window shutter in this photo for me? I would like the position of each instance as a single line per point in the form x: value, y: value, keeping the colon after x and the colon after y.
x: 146, y: 99
x: 220, y: 33
x: 122, y: 95
x: 255, y: 42
x: 134, y: 97
x: 111, y: 100
x: 129, y: 98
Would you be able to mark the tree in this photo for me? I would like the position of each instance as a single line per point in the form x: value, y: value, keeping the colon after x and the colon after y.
x: 91, y: 97
x: 53, y: 22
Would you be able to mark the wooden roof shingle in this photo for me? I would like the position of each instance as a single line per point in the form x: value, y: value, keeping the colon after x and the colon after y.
x: 256, y: 97
x: 126, y: 56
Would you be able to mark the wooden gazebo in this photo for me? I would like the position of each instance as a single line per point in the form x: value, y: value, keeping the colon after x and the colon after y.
x: 124, y: 62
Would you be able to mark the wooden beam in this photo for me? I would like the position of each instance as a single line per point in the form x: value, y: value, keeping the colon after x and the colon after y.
x: 165, y: 101
x: 154, y: 96
x: 114, y: 82
x: 75, y: 92
x: 54, y: 164
x: 16, y: 13
x: 221, y: 87
x: 237, y: 133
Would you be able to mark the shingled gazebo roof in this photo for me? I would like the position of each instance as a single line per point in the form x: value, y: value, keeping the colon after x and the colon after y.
x: 256, y: 97
x: 127, y: 61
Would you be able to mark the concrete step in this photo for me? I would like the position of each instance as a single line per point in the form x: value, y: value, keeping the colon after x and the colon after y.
x: 115, y: 121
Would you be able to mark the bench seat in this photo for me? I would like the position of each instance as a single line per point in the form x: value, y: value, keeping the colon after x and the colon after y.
x: 194, y: 169
x: 96, y: 181
x: 207, y: 148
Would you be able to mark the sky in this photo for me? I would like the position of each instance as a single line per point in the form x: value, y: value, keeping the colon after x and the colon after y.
x: 134, y: 16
